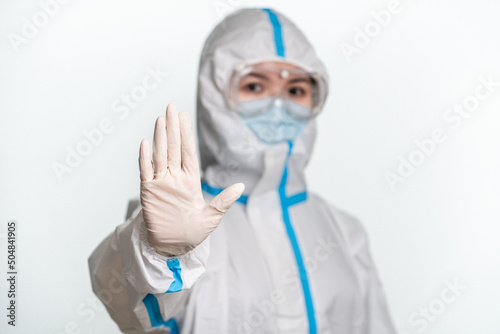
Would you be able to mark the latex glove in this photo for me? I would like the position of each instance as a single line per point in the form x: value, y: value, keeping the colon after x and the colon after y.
x: 176, y: 214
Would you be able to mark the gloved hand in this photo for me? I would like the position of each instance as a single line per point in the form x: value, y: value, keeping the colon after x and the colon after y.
x: 177, y: 217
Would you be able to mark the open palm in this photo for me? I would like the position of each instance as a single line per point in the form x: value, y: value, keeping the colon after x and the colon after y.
x: 176, y: 214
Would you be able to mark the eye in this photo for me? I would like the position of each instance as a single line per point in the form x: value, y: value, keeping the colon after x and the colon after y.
x: 253, y: 87
x: 296, y: 91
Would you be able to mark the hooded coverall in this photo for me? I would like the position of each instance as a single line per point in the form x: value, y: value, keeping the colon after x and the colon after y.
x: 282, y: 260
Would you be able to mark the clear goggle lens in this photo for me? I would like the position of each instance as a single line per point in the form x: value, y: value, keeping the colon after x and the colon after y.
x: 302, y: 89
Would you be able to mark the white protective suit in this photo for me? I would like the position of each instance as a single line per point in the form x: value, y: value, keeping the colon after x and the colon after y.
x: 282, y: 260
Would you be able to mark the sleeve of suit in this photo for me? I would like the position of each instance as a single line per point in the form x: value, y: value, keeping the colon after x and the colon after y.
x: 143, y: 291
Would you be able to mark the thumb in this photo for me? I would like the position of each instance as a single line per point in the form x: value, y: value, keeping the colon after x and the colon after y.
x: 227, y: 197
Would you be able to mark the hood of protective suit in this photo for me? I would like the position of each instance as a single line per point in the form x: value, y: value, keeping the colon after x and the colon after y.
x: 229, y: 151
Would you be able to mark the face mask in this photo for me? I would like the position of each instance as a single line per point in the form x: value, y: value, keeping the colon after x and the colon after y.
x: 271, y: 119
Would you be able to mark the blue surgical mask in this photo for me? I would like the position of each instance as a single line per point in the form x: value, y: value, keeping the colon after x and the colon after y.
x: 271, y: 119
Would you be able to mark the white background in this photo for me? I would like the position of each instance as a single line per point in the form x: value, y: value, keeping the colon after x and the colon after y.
x: 440, y: 224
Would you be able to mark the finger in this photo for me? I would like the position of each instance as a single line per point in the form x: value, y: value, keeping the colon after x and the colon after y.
x: 145, y: 168
x: 160, y: 148
x: 173, y: 139
x: 189, y: 159
x: 227, y: 197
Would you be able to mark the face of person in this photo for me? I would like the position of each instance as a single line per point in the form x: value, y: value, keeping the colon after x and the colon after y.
x: 269, y: 79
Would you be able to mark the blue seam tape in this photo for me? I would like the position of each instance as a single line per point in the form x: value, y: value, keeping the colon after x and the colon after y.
x: 286, y: 202
x: 278, y: 36
x: 155, y: 317
x: 297, y: 198
x: 175, y: 267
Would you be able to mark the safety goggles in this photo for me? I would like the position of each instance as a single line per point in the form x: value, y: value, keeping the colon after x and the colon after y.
x: 295, y: 86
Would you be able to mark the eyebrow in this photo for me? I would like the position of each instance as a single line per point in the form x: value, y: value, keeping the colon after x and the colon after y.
x: 258, y: 75
x: 308, y: 80
x: 264, y: 77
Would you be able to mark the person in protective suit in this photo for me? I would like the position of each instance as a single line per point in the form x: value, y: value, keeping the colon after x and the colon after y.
x: 283, y: 260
